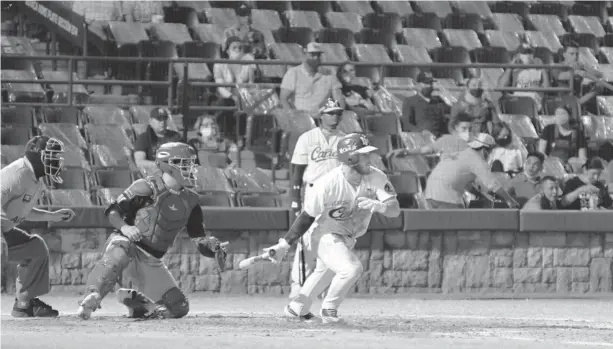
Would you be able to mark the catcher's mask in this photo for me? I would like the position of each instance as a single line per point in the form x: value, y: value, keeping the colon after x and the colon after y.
x: 50, y: 151
x: 179, y: 161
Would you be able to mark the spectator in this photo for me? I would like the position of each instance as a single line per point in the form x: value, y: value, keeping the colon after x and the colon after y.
x: 585, y: 191
x: 310, y: 85
x: 482, y: 110
x: 447, y: 145
x: 212, y: 150
x: 100, y: 10
x: 562, y: 78
x: 526, y: 184
x: 424, y: 112
x: 547, y: 197
x: 231, y: 74
x: 563, y: 139
x: 252, y: 38
x: 454, y: 175
x: 506, y: 152
x: 358, y: 98
x: 144, y: 11
x: 154, y: 136
x: 525, y: 78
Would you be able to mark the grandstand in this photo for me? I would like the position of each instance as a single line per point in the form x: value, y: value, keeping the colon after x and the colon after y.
x: 99, y: 122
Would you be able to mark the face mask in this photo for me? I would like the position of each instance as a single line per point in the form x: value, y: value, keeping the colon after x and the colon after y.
x: 427, y: 91
x: 476, y: 92
x: 346, y: 79
x: 464, y: 135
x: 525, y: 59
x: 313, y: 63
x: 234, y: 54
x: 206, y: 132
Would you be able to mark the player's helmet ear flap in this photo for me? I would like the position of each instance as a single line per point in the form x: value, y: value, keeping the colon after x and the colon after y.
x: 178, y: 160
x: 51, y: 151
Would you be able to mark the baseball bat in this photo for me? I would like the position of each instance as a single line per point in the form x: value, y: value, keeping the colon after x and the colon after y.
x: 249, y: 262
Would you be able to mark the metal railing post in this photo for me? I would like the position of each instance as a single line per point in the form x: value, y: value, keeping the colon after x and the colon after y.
x: 70, y: 80
x: 170, y: 89
x: 185, y: 99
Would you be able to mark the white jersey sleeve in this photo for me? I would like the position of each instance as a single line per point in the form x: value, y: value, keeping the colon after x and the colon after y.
x: 315, y: 199
x: 384, y: 190
x: 11, y: 187
x: 301, y: 151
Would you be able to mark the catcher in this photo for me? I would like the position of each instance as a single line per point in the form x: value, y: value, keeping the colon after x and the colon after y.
x: 147, y: 217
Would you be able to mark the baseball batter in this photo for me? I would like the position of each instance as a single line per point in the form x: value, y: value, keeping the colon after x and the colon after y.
x: 315, y: 154
x: 22, y: 184
x: 337, y: 210
x: 147, y: 218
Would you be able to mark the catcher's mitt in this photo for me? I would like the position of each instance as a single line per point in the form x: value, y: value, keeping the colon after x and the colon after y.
x: 213, y: 248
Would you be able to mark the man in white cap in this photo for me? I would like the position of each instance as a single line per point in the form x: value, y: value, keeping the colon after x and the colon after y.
x: 454, y: 174
x: 310, y: 85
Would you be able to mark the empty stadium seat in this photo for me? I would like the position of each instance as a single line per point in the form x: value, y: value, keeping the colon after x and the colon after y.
x: 209, y: 33
x: 321, y: 7
x: 60, y: 91
x: 344, y: 20
x: 552, y: 8
x: 72, y: 178
x: 403, y: 8
x: 590, y: 8
x: 268, y: 19
x: 386, y: 22
x: 17, y: 115
x: 505, y: 39
x: 75, y: 157
x: 424, y: 20
x: 301, y: 36
x: 107, y: 115
x: 341, y: 36
x: 334, y: 53
x: 105, y: 196
x: 521, y: 125
x: 450, y: 55
x: 479, y: 8
x: 113, y: 136
x: 547, y: 39
x: 420, y: 37
x: 373, y: 54
x: 114, y: 178
x: 462, y: 38
x: 67, y: 133
x: 468, y: 21
x: 362, y: 8
x: 277, y: 6
x: 216, y: 198
x: 490, y: 55
x: 224, y: 17
x: 583, y: 40
x: 16, y: 135
x: 104, y: 156
x: 409, y: 54
x: 547, y: 23
x: 407, y: 184
x: 309, y: 19
x: 128, y: 32
x: 69, y: 198
x: 586, y: 25
x: 441, y: 8
x: 508, y: 22
x: 380, y: 124
x: 519, y: 105
x: 383, y: 143
x: 21, y: 92
x: 173, y: 32
x: 377, y: 37
x: 520, y: 8
x: 69, y: 115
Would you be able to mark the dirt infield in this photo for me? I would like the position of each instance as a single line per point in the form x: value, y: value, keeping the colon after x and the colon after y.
x: 257, y: 322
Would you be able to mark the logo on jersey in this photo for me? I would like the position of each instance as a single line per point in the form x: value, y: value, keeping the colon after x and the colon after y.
x: 340, y: 213
x: 27, y: 198
x: 318, y: 154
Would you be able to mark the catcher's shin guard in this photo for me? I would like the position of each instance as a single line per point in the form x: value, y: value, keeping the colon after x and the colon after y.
x: 106, y: 272
x: 139, y: 305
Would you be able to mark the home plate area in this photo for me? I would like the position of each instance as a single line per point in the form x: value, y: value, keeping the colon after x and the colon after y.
x: 258, y: 322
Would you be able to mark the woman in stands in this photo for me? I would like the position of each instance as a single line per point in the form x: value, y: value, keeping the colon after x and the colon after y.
x: 212, y: 150
x: 564, y: 139
x: 586, y: 192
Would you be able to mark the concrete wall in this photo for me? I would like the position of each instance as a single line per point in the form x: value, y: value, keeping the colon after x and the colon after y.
x: 426, y: 252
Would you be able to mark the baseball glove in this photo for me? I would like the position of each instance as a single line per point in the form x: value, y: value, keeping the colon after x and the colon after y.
x: 210, y: 246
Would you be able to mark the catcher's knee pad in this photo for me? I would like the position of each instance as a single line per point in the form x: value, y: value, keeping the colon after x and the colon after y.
x: 105, y: 274
x: 175, y: 301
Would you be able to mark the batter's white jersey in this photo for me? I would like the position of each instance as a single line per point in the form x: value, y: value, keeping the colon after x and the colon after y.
x: 320, y: 155
x: 20, y: 192
x: 333, y: 202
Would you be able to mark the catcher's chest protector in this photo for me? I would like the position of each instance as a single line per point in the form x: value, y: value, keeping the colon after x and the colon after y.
x: 160, y: 222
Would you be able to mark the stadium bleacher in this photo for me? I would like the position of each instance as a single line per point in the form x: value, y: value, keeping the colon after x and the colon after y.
x: 100, y: 135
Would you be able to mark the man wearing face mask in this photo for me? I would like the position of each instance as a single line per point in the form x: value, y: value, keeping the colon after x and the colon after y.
x: 481, y: 109
x: 309, y: 84
x: 455, y: 174
x: 424, y: 112
x: 154, y: 136
x: 252, y: 38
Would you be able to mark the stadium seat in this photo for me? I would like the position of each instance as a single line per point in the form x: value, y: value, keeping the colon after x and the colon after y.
x: 173, y: 32
x: 547, y: 39
x: 21, y: 92
x: 105, y: 156
x: 607, y: 69
x: 587, y: 57
x: 212, y: 179
x: 128, y: 32
x: 586, y: 25
x: 386, y: 22
x: 383, y: 143
x: 321, y: 7
x: 602, y: 129
x: 75, y: 157
x: 462, y: 38
x: 277, y: 6
x: 16, y: 135
x: 381, y: 124
x: 113, y: 136
x: 209, y: 33
x: 522, y: 126
x: 407, y: 184
x: 344, y: 20
x: 377, y: 37
x: 479, y: 8
x: 259, y: 199
x: 520, y: 8
x: 552, y: 8
x: 376, y: 54
x: 67, y: 133
x: 60, y: 91
x: 334, y: 53
x: 114, y: 178
x: 261, y: 130
x: 490, y: 76
x: 450, y: 55
x: 224, y: 17
x: 441, y: 8
x: 17, y: 115
x: 518, y: 105
x: 508, y: 22
x: 10, y: 153
x: 105, y: 196
x: 583, y: 40
x: 553, y: 166
x: 424, y: 21
x: 13, y: 45
x: 545, y: 120
x: 547, y: 23
x: 420, y: 37
x: 68, y: 115
x: 507, y: 40
x: 268, y: 19
x: 197, y: 49
x: 308, y: 19
x: 282, y: 52
x: 107, y: 115
x: 341, y: 36
x: 467, y: 21
x: 72, y: 178
x: 216, y: 198
x: 69, y: 198
x: 362, y: 8
x: 403, y: 8
x: 399, y: 86
x: 490, y: 55
x: 590, y: 8
x: 301, y: 35
x: 409, y: 54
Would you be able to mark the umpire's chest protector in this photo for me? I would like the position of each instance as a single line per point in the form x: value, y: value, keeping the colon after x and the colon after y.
x: 161, y: 222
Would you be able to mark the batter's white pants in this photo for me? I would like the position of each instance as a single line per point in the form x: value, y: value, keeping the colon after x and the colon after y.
x: 310, y: 260
x: 336, y: 266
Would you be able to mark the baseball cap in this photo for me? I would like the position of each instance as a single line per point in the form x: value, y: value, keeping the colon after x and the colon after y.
x: 159, y: 114
x: 243, y: 11
x: 314, y: 47
x: 482, y: 140
x: 331, y: 106
x: 425, y: 77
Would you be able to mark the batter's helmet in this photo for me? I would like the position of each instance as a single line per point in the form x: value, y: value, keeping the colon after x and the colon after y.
x: 178, y: 160
x: 50, y: 150
x: 331, y: 107
x: 350, y: 146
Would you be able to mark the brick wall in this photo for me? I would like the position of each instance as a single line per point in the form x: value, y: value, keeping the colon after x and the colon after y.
x: 394, y: 261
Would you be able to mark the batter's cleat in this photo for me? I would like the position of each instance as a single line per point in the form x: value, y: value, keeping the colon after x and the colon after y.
x: 90, y: 304
x: 289, y: 312
x: 330, y: 316
x: 33, y: 308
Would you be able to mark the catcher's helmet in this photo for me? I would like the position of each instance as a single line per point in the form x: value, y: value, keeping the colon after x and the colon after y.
x: 178, y: 160
x: 50, y: 150
x: 351, y: 146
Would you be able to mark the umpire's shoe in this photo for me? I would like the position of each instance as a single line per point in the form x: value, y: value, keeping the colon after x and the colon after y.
x: 289, y: 312
x: 33, y: 308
